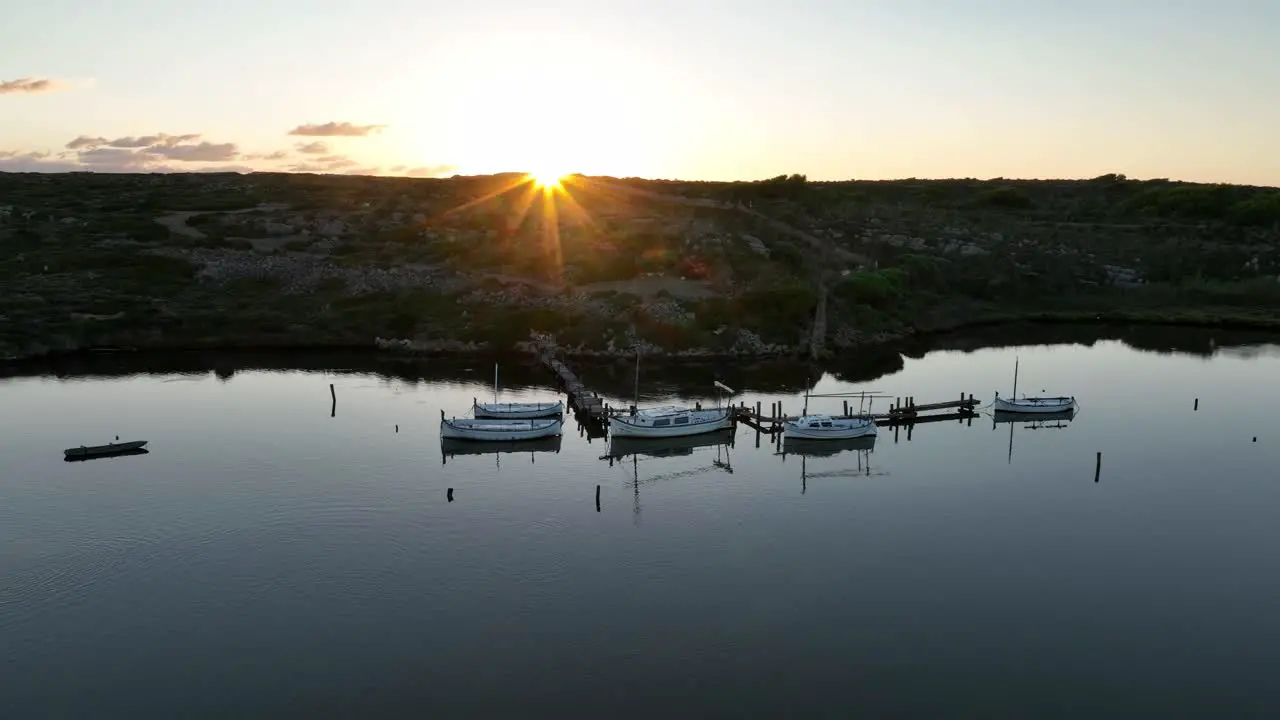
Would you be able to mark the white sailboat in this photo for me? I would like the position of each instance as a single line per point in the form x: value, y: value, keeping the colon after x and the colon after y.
x: 1036, y: 405
x: 514, y: 411
x: 671, y: 420
x: 498, y: 429
x: 828, y: 427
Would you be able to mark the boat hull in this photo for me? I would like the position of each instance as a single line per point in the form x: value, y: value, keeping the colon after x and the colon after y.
x: 701, y: 421
x: 1035, y: 406
x: 104, y: 450
x: 517, y: 411
x: 493, y: 430
x: 841, y: 430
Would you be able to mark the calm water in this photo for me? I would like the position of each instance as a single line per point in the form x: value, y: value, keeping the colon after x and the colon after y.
x: 268, y: 559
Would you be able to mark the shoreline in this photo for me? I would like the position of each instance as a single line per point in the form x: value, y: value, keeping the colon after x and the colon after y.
x: 395, y: 348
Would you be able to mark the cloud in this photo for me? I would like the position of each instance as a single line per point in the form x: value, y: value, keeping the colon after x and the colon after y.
x: 118, y: 159
x: 29, y: 85
x: 431, y: 171
x: 337, y: 161
x: 336, y: 129
x: 203, y: 152
x: 143, y: 141
x: 84, y: 141
x: 326, y: 164
x: 363, y: 171
x: 13, y: 161
x: 277, y: 155
x: 160, y: 139
x: 319, y: 147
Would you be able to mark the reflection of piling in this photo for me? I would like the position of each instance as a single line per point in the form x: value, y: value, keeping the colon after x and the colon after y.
x: 333, y: 397
x: 449, y: 494
x: 1097, y: 468
x: 597, y: 498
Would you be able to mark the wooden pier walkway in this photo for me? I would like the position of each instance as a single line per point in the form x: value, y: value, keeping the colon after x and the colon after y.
x: 900, y: 413
x: 590, y: 409
x: 587, y: 403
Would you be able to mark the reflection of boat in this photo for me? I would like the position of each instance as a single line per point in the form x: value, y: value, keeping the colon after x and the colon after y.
x: 1031, y: 405
x: 826, y: 427
x: 497, y: 430
x: 1034, y: 419
x: 517, y: 411
x: 450, y: 447
x: 92, y: 451
x: 826, y: 448
x: 622, y: 446
x: 514, y: 411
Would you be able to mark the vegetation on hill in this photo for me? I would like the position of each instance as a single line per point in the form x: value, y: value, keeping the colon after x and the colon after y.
x: 762, y: 267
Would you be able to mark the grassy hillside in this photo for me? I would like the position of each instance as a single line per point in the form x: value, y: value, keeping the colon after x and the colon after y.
x: 491, y: 262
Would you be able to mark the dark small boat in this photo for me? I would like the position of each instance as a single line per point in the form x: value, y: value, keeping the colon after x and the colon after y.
x: 92, y: 451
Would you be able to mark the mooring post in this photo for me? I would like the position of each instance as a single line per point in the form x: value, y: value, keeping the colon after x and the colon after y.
x: 449, y: 494
x: 757, y: 408
x: 1097, y: 467
x: 1196, y: 407
x: 333, y: 405
x: 597, y: 498
x: 397, y: 428
x: 846, y: 408
x: 897, y: 403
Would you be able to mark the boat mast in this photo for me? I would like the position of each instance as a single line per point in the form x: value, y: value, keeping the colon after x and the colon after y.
x: 636, y: 402
x: 1015, y: 377
x: 495, y: 383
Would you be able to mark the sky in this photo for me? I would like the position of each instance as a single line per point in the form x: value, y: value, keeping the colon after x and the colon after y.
x: 695, y: 89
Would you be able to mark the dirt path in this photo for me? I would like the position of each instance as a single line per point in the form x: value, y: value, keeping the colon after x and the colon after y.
x: 176, y: 222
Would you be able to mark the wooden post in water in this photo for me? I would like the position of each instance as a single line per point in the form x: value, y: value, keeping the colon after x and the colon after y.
x: 597, y: 498
x: 449, y: 494
x: 1196, y: 407
x: 757, y: 409
x: 333, y: 397
x: 1097, y: 467
x: 846, y: 408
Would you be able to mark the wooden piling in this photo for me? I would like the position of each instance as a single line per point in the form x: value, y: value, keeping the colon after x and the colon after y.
x: 449, y: 494
x: 597, y: 498
x: 333, y: 405
x: 757, y: 408
x: 1097, y: 467
x: 397, y: 428
x: 1196, y: 407
x: 846, y: 408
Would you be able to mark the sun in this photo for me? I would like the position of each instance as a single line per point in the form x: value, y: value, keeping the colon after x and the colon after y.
x: 548, y: 178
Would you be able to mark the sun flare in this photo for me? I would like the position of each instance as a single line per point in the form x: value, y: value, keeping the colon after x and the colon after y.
x: 547, y: 179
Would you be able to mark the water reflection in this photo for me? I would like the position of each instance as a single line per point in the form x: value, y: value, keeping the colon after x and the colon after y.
x: 452, y: 448
x: 1045, y: 421
x: 862, y: 448
x: 621, y: 447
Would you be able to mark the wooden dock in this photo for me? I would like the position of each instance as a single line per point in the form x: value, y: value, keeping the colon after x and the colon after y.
x: 901, y: 412
x: 586, y: 404
x: 594, y: 412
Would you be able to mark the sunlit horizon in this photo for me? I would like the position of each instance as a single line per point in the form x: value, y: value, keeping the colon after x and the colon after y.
x: 705, y: 90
